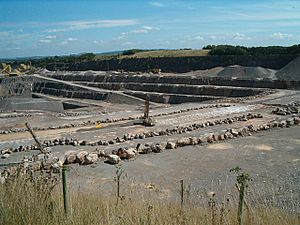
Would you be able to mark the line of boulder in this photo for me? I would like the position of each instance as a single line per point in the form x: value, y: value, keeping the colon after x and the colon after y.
x: 48, y: 163
x: 129, y: 153
x: 288, y: 109
x: 247, y: 98
x: 128, y: 137
x: 108, y: 120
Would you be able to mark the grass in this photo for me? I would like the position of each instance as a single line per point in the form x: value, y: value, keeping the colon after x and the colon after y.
x: 158, y: 54
x: 37, y: 200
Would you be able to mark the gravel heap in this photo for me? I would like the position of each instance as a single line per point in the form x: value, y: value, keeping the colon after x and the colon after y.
x: 291, y: 71
x: 242, y: 72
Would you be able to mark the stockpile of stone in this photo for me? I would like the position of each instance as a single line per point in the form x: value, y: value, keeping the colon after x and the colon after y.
x: 244, y: 72
x: 89, y: 123
x: 291, y: 71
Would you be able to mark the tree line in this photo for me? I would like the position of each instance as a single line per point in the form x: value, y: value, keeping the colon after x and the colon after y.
x: 242, y: 50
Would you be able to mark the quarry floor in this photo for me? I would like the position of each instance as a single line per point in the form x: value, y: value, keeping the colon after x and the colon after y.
x: 271, y: 157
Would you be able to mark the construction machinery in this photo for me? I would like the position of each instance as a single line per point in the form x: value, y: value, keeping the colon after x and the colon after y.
x: 147, y: 120
x: 21, y: 69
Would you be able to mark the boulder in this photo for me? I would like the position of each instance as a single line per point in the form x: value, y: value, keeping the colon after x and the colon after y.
x: 290, y: 122
x: 201, y: 139
x: 70, y: 157
x: 90, y: 159
x: 210, y: 138
x: 144, y: 148
x: 228, y: 135
x: 170, y: 145
x: 130, y: 153
x: 157, y: 148
x: 113, y: 159
x: 6, y: 151
x: 126, y: 153
x: 221, y: 137
x: 234, y: 132
x: 282, y: 124
x: 193, y: 140
x: 5, y: 156
x: 296, y: 120
x: 183, y: 142
x: 80, y: 157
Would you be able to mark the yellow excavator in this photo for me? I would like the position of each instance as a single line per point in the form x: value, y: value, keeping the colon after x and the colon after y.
x: 10, y: 72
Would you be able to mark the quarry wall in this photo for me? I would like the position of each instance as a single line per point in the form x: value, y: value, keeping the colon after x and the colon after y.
x: 113, y: 80
x: 177, y: 64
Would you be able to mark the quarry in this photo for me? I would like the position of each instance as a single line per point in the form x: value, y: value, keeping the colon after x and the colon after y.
x: 203, y: 122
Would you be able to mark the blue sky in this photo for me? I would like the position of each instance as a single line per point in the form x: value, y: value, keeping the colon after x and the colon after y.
x: 61, y: 27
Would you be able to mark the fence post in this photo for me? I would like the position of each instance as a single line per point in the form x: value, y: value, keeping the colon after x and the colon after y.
x: 181, y: 192
x: 65, y: 191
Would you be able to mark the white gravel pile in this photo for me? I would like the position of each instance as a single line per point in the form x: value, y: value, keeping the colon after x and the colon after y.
x: 242, y: 72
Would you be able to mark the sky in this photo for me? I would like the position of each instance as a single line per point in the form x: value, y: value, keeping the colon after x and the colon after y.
x: 63, y: 27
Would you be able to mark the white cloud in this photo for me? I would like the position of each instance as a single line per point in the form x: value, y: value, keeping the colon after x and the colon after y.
x: 157, y: 4
x: 198, y: 38
x: 139, y: 31
x: 279, y: 35
x: 98, y: 42
x: 214, y: 37
x: 93, y: 24
x: 239, y: 36
x: 51, y: 37
x: 148, y: 28
x: 127, y: 43
x: 189, y: 38
x: 45, y: 41
x: 72, y: 39
x: 143, y: 30
x: 68, y: 41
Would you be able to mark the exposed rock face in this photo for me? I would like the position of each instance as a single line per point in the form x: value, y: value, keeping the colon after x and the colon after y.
x: 179, y: 64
